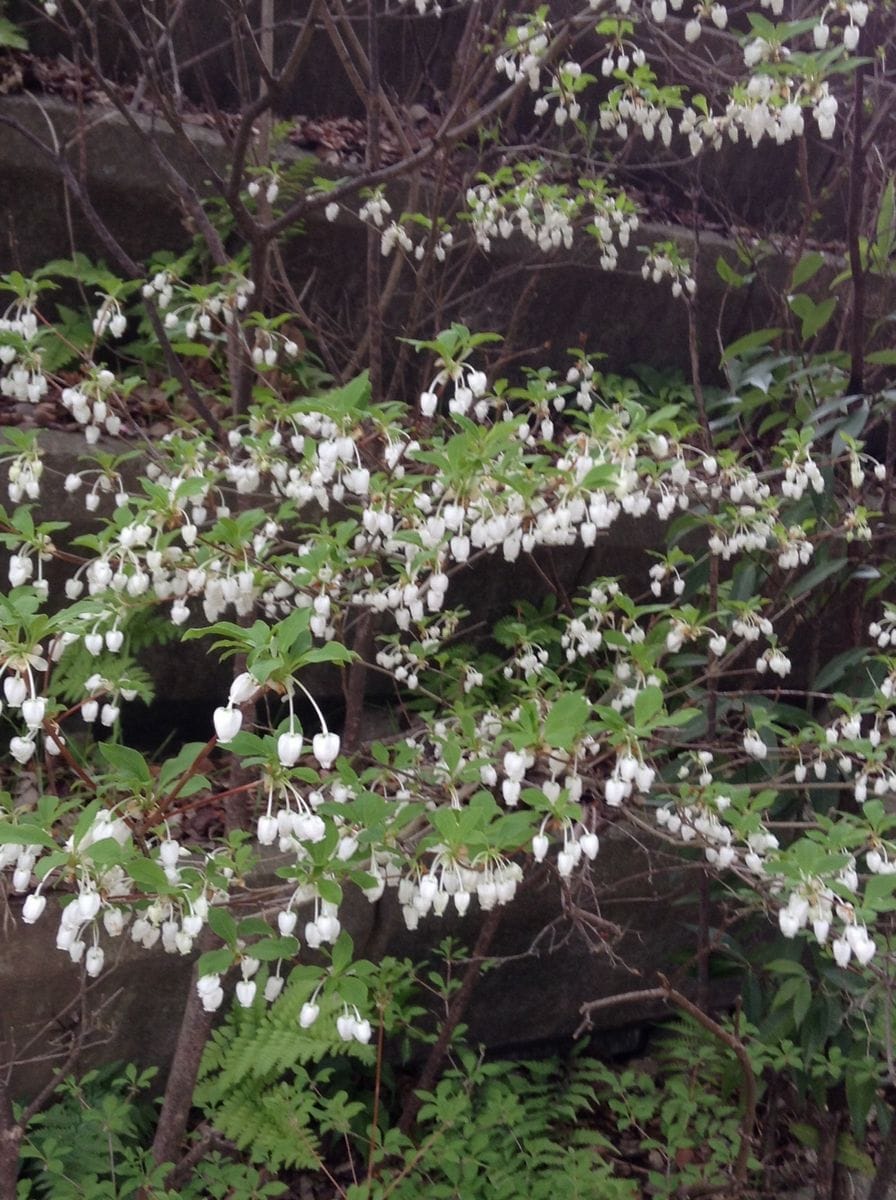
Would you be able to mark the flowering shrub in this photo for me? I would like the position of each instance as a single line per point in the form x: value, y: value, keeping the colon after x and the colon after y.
x: 660, y: 696
x: 304, y: 512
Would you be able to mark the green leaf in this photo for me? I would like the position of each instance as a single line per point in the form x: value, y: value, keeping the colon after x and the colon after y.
x: 606, y: 475
x: 879, y: 893
x: 648, y: 703
x: 805, y: 1134
x: 130, y: 762
x: 25, y: 835
x: 808, y: 266
x: 353, y: 991
x: 818, y: 574
x: 172, y: 768
x: 332, y: 652
x: 786, y: 966
x: 215, y: 962
x: 11, y: 36
x: 812, y: 316
x: 802, y: 999
x: 253, y: 927
x: 852, y: 1156
x: 273, y: 948
x: 885, y: 358
x: 342, y: 952
x: 750, y: 341
x: 861, y: 1090
x: 837, y: 667
x: 330, y: 891
x: 566, y: 720
x: 682, y: 716
x: 107, y: 853
x: 223, y: 925
x: 728, y: 275
x: 148, y: 875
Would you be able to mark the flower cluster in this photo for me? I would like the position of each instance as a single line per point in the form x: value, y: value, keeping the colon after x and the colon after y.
x: 506, y: 472
x: 664, y: 262
x: 522, y: 56
x: 547, y: 215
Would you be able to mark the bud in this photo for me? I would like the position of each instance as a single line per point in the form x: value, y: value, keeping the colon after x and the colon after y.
x: 273, y: 988
x: 243, y: 688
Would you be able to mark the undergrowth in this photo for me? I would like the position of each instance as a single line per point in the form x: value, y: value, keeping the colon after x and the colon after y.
x: 277, y: 1103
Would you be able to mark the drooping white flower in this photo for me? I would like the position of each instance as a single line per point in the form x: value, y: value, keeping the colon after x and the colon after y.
x: 363, y: 1031
x: 842, y: 951
x: 210, y: 992
x: 33, y: 908
x: 273, y: 987
x: 15, y: 689
x: 325, y: 747
x: 345, y: 1027
x: 227, y: 723
x: 268, y: 830
x: 590, y: 845
x: 243, y: 688
x: 21, y: 749
x: 245, y: 992
x: 309, y: 1014
x: 93, y: 961
x: 286, y: 922
x: 289, y: 748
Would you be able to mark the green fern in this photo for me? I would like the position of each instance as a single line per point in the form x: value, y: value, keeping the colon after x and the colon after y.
x: 121, y: 671
x: 683, y: 1046
x: 106, y: 1115
x: 492, y: 1131
x: 255, y: 1086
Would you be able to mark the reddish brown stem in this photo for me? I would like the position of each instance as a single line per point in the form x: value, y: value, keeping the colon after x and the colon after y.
x: 433, y: 1065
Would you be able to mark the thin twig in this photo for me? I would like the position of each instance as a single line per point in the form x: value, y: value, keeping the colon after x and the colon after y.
x: 670, y: 995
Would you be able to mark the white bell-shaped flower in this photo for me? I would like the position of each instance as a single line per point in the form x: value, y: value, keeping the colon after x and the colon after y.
x: 346, y: 1026
x: 243, y: 688
x: 363, y: 1032
x: 93, y: 961
x: 245, y: 992
x: 286, y: 922
x: 842, y: 951
x: 268, y: 830
x: 21, y: 749
x: 33, y: 710
x: 227, y: 723
x: 33, y: 907
x: 289, y: 748
x: 273, y: 987
x: 325, y: 747
x: 15, y: 689
x: 309, y: 1014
